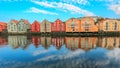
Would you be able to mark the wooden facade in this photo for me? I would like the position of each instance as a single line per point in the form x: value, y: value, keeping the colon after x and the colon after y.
x: 109, y: 25
x: 88, y: 25
x: 23, y: 26
x: 12, y: 26
x: 35, y: 27
x: 58, y: 26
x: 3, y: 26
x: 45, y: 26
x: 73, y: 25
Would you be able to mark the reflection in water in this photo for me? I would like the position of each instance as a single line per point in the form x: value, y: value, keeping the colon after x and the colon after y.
x: 72, y: 43
x: 18, y: 41
x: 59, y: 52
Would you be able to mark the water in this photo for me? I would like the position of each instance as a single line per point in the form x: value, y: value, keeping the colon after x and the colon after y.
x: 59, y: 52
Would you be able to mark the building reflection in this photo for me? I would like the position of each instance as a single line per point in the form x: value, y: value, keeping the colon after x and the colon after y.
x: 3, y: 41
x: 18, y: 41
x: 72, y: 43
x: 110, y: 42
x: 36, y: 40
x: 46, y: 42
x: 58, y: 42
x: 85, y: 43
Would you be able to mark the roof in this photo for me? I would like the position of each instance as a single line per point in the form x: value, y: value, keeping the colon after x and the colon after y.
x: 3, y: 23
x: 15, y: 21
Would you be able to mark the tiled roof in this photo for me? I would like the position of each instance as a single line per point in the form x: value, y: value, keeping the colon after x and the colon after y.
x: 14, y: 21
x: 3, y: 23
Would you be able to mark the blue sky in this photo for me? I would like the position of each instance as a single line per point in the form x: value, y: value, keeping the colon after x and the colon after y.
x: 54, y: 9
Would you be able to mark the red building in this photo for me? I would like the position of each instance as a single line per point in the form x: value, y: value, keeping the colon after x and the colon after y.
x: 35, y: 27
x: 58, y: 26
x: 3, y: 26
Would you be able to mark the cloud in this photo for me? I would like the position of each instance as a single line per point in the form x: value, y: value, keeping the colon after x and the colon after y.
x: 115, y: 8
x: 114, y: 54
x: 65, y: 7
x: 62, y: 56
x: 36, y: 10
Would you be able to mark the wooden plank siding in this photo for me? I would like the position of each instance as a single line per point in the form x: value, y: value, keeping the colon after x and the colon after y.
x: 45, y: 26
x: 58, y: 26
x: 88, y: 25
x: 73, y: 25
x: 35, y: 27
x: 109, y: 25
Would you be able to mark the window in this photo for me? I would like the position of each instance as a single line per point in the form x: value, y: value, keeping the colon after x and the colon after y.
x: 106, y: 26
x: 115, y: 26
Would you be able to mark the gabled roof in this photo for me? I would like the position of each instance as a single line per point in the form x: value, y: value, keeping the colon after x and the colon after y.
x: 3, y: 23
x: 45, y: 20
x: 36, y: 22
x: 14, y: 21
x: 25, y: 21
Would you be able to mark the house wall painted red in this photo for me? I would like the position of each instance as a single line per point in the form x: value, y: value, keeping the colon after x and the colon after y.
x: 58, y: 26
x: 35, y: 27
x: 3, y: 26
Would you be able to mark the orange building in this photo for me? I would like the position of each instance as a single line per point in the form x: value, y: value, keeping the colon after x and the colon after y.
x: 88, y: 25
x: 109, y: 25
x: 73, y: 25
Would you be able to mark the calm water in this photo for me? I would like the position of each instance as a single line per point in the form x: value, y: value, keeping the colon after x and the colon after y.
x: 59, y: 52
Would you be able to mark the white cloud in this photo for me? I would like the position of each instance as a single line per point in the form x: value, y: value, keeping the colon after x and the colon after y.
x: 65, y: 7
x: 62, y: 56
x: 115, y: 8
x: 36, y: 10
x: 114, y: 54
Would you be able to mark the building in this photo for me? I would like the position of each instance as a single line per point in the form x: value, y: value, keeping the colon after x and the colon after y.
x: 73, y: 25
x: 35, y: 27
x: 3, y: 26
x: 88, y: 25
x: 58, y: 26
x: 45, y: 26
x: 12, y: 26
x: 23, y: 26
x: 109, y: 25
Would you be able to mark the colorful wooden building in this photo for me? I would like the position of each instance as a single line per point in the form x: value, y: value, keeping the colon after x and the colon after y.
x: 88, y: 25
x: 73, y: 25
x: 35, y: 27
x: 23, y: 26
x: 3, y: 26
x: 45, y: 26
x: 58, y: 26
x: 12, y: 26
x: 109, y: 25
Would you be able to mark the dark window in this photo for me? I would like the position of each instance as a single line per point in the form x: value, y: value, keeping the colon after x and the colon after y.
x: 106, y: 25
x: 115, y: 26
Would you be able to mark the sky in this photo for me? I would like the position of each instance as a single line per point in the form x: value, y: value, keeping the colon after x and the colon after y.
x: 57, y: 9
